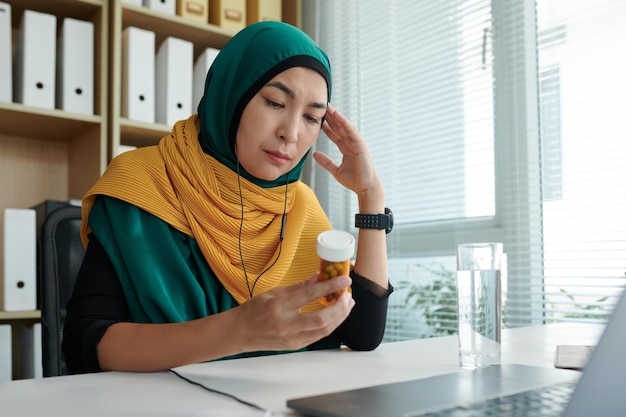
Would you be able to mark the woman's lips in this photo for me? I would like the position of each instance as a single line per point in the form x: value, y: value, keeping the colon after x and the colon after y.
x: 278, y: 157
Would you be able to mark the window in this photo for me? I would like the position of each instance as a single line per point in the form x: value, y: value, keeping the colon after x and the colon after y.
x: 488, y: 120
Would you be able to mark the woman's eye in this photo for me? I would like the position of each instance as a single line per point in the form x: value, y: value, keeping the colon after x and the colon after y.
x: 273, y: 104
x: 312, y: 119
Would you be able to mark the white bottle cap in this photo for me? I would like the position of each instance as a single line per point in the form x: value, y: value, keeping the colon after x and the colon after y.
x: 335, y: 245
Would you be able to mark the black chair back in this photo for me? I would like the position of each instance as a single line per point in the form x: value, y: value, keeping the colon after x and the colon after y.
x: 61, y: 256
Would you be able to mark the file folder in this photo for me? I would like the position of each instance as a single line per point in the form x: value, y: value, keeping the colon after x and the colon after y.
x: 20, y: 259
x: 200, y: 71
x: 163, y: 6
x: 197, y: 10
x: 262, y: 10
x: 6, y: 358
x: 228, y: 14
x: 6, y: 56
x: 174, y: 68
x: 138, y: 46
x: 75, y: 66
x: 34, y: 71
x: 31, y: 351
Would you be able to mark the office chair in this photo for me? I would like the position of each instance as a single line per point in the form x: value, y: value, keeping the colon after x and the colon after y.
x: 61, y: 255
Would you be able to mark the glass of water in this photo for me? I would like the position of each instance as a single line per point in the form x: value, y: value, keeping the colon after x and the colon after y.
x: 479, y: 302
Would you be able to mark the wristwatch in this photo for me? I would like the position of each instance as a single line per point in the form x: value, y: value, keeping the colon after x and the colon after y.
x: 375, y: 221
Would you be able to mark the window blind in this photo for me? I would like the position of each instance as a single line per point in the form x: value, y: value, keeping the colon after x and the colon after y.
x: 582, y: 102
x: 487, y: 120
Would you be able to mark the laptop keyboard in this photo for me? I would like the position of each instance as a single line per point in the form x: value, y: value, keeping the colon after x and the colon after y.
x: 547, y: 401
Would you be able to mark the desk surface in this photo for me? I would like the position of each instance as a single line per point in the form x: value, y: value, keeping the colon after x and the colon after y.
x: 269, y: 381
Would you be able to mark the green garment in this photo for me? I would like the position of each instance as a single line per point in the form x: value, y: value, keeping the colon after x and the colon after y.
x: 167, y: 253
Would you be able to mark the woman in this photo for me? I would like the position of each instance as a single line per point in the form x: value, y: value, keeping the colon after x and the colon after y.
x: 203, y: 247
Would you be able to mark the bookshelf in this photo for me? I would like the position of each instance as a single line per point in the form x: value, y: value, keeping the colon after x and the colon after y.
x: 51, y: 154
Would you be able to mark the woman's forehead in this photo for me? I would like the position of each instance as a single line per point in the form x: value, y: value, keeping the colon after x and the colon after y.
x: 300, y: 80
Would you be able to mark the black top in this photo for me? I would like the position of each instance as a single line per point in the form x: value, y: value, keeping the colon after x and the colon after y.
x: 98, y: 301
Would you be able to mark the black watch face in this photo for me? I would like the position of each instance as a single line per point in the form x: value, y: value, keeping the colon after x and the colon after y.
x: 389, y: 214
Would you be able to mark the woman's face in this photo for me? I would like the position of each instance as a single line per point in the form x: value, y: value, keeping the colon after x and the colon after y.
x: 281, y: 122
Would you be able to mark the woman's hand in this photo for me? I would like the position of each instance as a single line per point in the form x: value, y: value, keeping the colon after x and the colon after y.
x: 357, y: 171
x: 273, y: 321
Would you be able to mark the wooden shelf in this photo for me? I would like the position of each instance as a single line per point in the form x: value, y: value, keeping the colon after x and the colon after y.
x: 142, y: 134
x: 13, y: 317
x: 78, y: 9
x: 202, y: 35
x: 45, y: 124
x: 51, y: 154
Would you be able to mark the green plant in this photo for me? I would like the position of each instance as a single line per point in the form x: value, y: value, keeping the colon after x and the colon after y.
x: 595, y: 311
x: 436, y: 299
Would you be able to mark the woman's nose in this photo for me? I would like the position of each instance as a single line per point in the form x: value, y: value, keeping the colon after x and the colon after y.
x: 288, y: 130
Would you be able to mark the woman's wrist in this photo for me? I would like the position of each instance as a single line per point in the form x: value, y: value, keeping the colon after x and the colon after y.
x: 372, y: 201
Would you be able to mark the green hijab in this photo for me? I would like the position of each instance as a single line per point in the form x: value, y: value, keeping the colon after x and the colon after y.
x: 247, y: 62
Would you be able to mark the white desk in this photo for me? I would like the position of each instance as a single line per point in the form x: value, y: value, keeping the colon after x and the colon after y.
x: 268, y: 381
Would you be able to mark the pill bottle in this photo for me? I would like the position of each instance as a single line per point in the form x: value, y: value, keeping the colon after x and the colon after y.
x: 335, y: 248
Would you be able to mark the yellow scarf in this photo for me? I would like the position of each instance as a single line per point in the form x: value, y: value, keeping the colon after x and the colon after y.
x: 194, y: 193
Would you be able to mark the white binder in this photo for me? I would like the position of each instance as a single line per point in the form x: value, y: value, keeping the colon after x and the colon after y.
x: 32, y: 363
x: 6, y: 56
x: 75, y: 66
x: 133, y: 2
x: 174, y: 67
x: 138, y: 74
x: 34, y: 71
x: 200, y: 70
x: 20, y: 259
x: 6, y: 359
x: 163, y: 6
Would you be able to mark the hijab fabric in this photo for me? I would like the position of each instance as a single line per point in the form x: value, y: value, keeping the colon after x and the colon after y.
x: 251, y: 58
x: 190, y: 182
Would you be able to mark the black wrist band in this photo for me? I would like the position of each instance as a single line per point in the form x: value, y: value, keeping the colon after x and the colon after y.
x: 375, y: 221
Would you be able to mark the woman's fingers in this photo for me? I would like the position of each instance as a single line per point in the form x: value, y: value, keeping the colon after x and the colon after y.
x: 325, y: 161
x: 273, y: 321
x: 312, y: 290
x: 328, y: 319
x: 340, y: 130
x: 307, y: 328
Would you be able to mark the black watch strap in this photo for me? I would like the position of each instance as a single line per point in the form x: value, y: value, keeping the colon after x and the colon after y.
x: 375, y: 221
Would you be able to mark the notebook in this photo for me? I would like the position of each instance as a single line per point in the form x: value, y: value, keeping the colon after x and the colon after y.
x: 599, y: 390
x: 572, y: 356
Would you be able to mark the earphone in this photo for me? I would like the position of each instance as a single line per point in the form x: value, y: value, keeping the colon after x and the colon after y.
x: 281, y: 236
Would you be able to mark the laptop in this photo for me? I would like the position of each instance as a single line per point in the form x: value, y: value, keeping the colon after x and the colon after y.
x: 600, y: 390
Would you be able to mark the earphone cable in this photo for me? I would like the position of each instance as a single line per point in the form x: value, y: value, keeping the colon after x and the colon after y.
x: 280, y: 244
x: 266, y: 412
x: 282, y: 234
